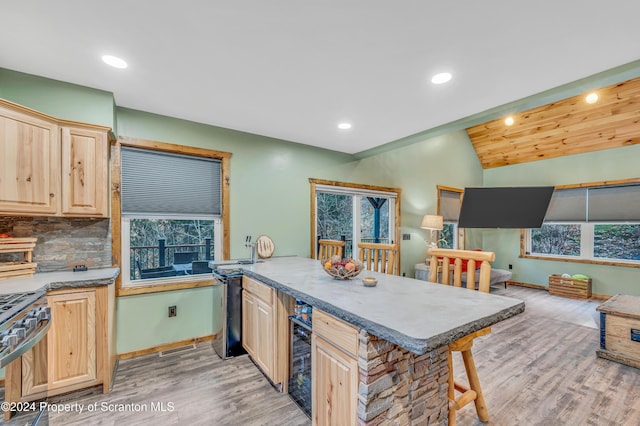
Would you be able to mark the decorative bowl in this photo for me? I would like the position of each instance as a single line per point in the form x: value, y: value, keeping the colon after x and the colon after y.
x: 342, y: 269
x: 369, y: 281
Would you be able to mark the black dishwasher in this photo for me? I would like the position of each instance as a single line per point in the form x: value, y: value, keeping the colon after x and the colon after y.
x: 300, y: 371
x: 228, y: 343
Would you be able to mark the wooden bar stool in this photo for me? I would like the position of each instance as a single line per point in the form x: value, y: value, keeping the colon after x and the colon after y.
x: 379, y: 257
x: 450, y: 264
x: 329, y: 248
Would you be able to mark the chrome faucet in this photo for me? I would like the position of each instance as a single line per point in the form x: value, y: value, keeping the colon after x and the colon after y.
x: 252, y: 246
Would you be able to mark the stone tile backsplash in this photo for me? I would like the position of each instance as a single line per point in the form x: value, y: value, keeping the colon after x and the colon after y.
x: 62, y: 242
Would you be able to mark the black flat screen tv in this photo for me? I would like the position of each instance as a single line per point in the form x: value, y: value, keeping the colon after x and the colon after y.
x: 504, y: 207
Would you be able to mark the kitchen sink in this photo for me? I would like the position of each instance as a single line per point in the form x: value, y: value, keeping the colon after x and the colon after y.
x: 248, y: 261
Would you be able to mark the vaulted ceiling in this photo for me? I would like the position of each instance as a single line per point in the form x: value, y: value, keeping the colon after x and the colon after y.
x: 570, y: 126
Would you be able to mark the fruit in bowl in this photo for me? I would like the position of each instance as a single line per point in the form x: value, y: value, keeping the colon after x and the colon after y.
x: 342, y: 269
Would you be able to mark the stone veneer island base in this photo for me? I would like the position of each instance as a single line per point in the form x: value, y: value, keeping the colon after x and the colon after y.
x: 399, y: 387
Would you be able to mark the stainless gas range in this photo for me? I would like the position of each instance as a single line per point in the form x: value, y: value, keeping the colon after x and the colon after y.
x: 24, y: 320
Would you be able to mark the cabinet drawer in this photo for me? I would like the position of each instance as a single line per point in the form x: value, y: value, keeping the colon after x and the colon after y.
x: 339, y: 333
x: 258, y: 289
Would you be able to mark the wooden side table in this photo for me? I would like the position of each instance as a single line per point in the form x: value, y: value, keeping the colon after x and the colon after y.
x: 620, y: 330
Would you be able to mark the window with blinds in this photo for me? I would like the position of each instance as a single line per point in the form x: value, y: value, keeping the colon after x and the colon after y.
x: 171, y: 213
x: 449, y: 203
x: 165, y: 183
x: 592, y: 223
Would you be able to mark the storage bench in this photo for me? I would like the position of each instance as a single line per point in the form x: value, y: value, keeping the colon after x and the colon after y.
x: 569, y: 287
x: 620, y: 330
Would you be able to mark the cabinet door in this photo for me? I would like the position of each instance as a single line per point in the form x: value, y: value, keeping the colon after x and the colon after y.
x: 72, y: 339
x: 29, y: 164
x: 334, y: 378
x: 248, y: 323
x: 265, y: 338
x: 34, y: 370
x: 84, y: 172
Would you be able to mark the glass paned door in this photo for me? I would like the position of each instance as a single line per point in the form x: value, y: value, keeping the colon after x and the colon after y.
x: 374, y: 220
x: 334, y: 218
x: 355, y: 218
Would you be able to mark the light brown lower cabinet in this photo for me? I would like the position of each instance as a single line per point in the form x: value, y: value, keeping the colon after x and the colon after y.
x: 67, y: 356
x: 334, y: 371
x: 249, y: 328
x: 265, y: 329
x: 77, y: 352
x: 258, y: 331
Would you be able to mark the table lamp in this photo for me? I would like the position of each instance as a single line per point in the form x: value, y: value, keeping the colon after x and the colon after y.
x: 432, y: 223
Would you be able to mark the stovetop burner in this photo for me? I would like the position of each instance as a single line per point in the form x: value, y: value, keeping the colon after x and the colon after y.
x: 13, y: 303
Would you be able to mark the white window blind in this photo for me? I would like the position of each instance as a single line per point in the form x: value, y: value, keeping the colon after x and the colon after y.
x: 595, y: 204
x: 567, y: 205
x: 159, y: 182
x: 614, y: 204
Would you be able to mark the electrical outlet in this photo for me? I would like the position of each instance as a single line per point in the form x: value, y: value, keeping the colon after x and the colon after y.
x: 406, y: 237
x: 173, y: 311
x: 510, y: 266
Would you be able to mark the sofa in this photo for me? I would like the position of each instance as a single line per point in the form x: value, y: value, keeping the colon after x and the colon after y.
x: 497, y: 275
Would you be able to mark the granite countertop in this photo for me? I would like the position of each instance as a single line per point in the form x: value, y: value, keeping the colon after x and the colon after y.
x: 416, y: 315
x: 59, y: 280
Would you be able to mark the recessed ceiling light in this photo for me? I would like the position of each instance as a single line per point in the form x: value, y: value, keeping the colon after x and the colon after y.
x: 440, y: 78
x: 344, y: 126
x: 508, y: 121
x: 592, y: 98
x: 114, y: 61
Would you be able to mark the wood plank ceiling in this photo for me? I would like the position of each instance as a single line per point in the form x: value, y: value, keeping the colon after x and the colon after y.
x: 570, y: 126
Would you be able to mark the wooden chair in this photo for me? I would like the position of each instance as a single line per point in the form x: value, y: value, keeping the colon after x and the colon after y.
x: 329, y: 248
x: 445, y: 266
x: 379, y: 257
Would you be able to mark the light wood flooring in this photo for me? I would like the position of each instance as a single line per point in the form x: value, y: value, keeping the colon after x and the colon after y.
x: 538, y: 368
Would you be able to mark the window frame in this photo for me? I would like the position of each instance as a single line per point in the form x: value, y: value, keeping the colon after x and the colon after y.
x: 587, y: 233
x: 397, y: 192
x: 459, y: 233
x: 126, y: 260
x: 222, y: 240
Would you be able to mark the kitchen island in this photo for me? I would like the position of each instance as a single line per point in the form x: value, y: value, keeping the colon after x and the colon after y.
x: 402, y: 326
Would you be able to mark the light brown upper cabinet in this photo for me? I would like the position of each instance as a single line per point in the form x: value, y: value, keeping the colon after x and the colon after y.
x: 30, y: 158
x: 51, y: 167
x: 85, y: 182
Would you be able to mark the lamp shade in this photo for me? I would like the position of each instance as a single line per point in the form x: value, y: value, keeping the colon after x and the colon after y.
x: 430, y: 221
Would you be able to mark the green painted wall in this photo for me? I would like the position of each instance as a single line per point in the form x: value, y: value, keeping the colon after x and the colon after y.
x: 617, y: 163
x: 270, y: 187
x: 143, y: 322
x: 417, y: 169
x: 57, y: 98
x: 269, y: 195
x: 269, y: 177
